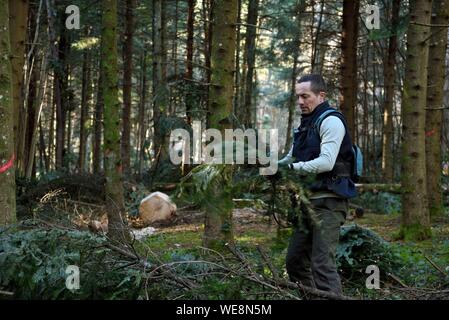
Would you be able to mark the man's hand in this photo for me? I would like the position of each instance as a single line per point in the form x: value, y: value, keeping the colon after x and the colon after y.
x: 283, y: 165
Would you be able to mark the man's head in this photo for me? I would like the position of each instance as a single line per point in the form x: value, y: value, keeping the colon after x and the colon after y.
x: 310, y: 92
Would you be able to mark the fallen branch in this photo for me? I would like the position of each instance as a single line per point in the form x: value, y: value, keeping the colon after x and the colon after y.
x: 435, y: 265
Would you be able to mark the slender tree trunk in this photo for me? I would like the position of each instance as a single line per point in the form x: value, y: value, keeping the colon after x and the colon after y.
x: 98, y: 124
x: 415, y: 212
x: 301, y: 5
x: 365, y: 125
x: 237, y: 111
x: 142, y: 126
x: 435, y: 94
x: 218, y: 228
x: 160, y: 92
x: 7, y: 176
x: 127, y: 85
x: 348, y: 98
x: 189, y: 65
x: 57, y: 85
x: 18, y: 12
x: 51, y: 133
x: 85, y: 103
x: 42, y: 149
x: 29, y: 119
x: 39, y: 103
x: 207, y: 18
x: 112, y: 161
x: 250, y: 54
x: 389, y: 76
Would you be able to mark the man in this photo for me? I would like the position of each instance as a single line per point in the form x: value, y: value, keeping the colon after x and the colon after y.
x: 327, y: 152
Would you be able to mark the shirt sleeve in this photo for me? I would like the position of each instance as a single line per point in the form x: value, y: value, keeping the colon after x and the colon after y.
x: 332, y: 132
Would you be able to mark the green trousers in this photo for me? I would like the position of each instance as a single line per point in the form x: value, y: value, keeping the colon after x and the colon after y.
x: 311, y: 252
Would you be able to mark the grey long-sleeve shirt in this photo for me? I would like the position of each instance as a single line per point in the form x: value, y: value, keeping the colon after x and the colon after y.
x: 332, y: 132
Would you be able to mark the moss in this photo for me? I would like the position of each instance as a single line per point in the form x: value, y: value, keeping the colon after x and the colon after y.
x: 415, y: 232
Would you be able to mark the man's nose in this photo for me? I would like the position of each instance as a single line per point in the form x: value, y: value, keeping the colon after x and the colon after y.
x: 300, y: 101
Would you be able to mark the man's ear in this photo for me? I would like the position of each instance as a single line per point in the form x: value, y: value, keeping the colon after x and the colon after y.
x: 322, y: 95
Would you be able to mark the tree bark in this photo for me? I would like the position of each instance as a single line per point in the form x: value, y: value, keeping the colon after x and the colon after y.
x: 250, y: 60
x: 389, y: 76
x: 112, y: 161
x: 98, y: 124
x: 86, y: 93
x: 435, y: 94
x: 33, y: 127
x: 189, y: 65
x: 142, y: 126
x: 349, y: 85
x: 7, y: 176
x: 415, y: 212
x: 57, y: 85
x: 218, y: 228
x: 301, y: 5
x: 18, y: 13
x: 127, y: 84
x: 160, y: 92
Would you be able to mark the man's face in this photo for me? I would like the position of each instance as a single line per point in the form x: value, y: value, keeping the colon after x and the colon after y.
x: 307, y: 99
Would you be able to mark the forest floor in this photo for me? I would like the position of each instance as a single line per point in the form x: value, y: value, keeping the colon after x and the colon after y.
x: 424, y: 277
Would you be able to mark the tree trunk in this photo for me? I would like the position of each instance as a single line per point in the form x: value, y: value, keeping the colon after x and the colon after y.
x: 348, y: 98
x: 250, y: 59
x: 142, y: 126
x: 301, y: 5
x: 7, y: 176
x: 33, y: 127
x: 218, y: 228
x: 18, y: 13
x: 127, y: 84
x: 98, y: 124
x: 189, y: 65
x: 389, y: 76
x: 85, y: 103
x: 29, y: 119
x: 112, y: 161
x: 57, y: 85
x: 435, y: 94
x: 207, y: 18
x: 160, y: 92
x: 237, y: 77
x: 415, y: 212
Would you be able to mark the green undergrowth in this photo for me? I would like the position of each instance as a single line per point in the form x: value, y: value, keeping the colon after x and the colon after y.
x: 35, y: 263
x: 359, y: 247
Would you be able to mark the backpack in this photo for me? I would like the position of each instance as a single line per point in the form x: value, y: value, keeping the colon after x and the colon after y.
x: 357, y: 166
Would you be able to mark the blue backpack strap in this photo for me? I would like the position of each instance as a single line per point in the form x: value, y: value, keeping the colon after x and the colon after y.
x: 326, y: 113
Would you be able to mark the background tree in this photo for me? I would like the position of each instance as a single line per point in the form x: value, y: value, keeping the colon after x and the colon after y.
x: 434, y: 111
x: 218, y: 220
x: 18, y: 11
x: 127, y: 84
x: 112, y: 159
x: 348, y: 98
x: 415, y: 212
x: 389, y: 76
x: 7, y: 176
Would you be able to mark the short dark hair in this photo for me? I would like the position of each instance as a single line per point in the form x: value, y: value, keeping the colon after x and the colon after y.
x: 317, y: 83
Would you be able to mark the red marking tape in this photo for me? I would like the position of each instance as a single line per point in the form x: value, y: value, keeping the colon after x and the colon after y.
x: 7, y: 165
x: 430, y: 133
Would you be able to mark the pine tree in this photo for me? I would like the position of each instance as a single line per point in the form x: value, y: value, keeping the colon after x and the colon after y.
x: 435, y: 94
x: 7, y: 177
x: 415, y: 212
x: 218, y: 221
x: 112, y: 159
